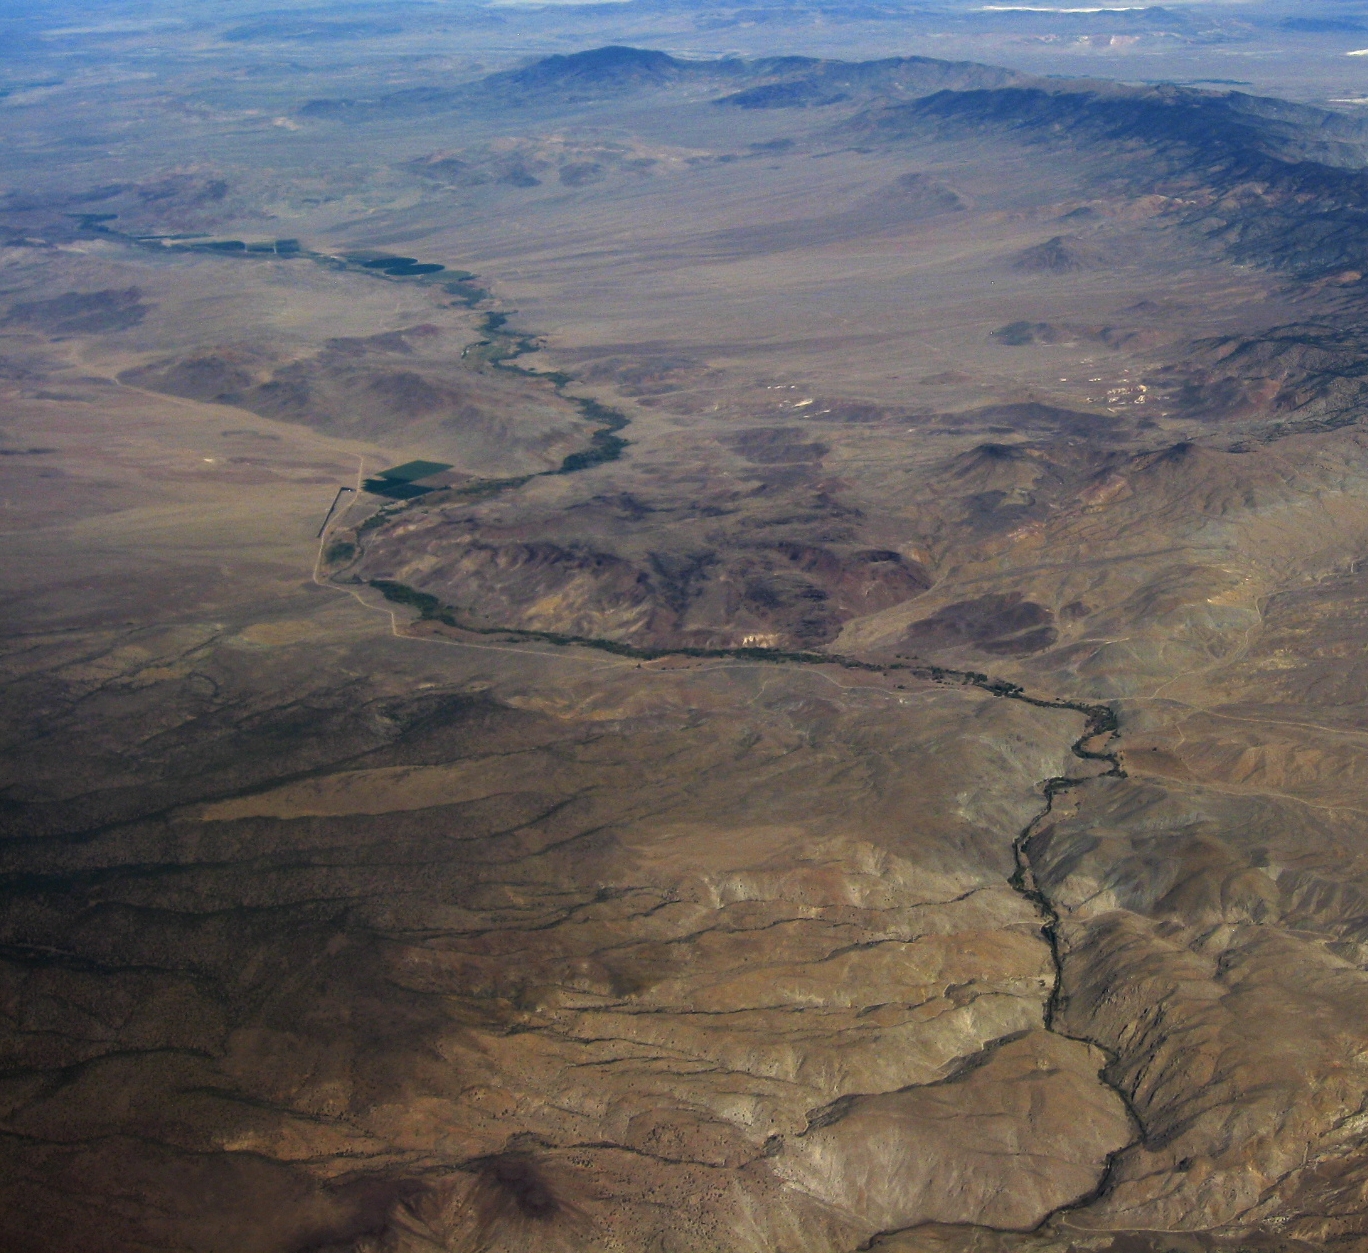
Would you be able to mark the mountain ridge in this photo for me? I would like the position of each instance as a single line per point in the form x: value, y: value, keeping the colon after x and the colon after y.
x: 617, y: 70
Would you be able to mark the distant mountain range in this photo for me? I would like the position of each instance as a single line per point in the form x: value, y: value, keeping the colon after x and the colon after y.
x: 1298, y: 172
x: 771, y: 82
x: 605, y: 73
x: 1280, y: 183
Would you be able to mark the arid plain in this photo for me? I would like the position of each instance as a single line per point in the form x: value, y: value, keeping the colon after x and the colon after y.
x: 858, y: 744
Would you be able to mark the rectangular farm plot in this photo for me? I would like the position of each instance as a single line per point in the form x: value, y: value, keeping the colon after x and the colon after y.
x: 412, y: 478
x: 412, y: 471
